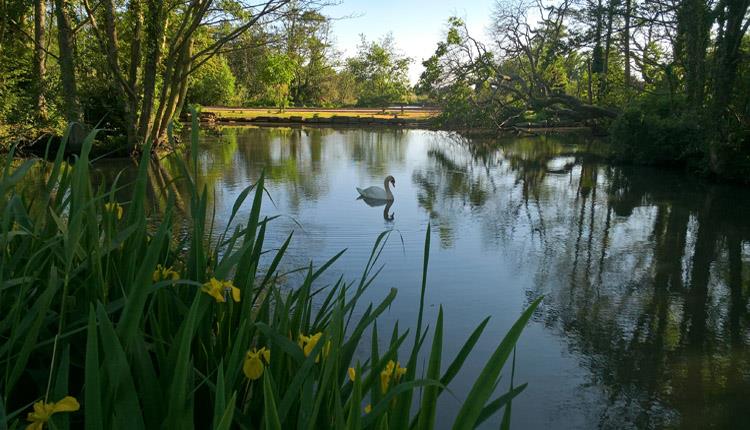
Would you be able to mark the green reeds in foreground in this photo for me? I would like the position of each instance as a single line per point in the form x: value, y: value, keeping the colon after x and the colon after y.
x: 107, y: 320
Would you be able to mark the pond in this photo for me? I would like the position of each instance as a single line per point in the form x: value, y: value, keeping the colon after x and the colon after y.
x: 645, y: 272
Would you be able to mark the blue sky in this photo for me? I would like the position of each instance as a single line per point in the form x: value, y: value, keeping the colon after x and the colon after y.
x: 417, y: 25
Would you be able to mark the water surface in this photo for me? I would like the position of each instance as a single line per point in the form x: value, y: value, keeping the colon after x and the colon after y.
x: 645, y: 272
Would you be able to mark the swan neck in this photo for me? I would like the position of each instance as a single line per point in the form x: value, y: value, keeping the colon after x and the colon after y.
x: 388, y: 193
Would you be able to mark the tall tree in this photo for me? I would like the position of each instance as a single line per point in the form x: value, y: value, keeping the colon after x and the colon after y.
x: 164, y: 51
x: 694, y: 24
x: 40, y: 57
x: 733, y: 24
x: 380, y: 72
x: 626, y: 42
x: 65, y: 41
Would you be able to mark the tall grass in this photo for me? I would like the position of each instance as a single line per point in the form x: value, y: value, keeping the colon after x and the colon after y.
x: 101, y: 303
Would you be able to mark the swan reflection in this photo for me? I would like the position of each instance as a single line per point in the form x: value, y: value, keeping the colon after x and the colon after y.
x: 376, y: 202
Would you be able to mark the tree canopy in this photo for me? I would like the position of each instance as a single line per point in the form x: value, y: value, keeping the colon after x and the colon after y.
x: 380, y: 72
x: 132, y: 66
x: 674, y: 71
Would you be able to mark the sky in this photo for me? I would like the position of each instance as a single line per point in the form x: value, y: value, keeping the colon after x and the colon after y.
x: 417, y: 25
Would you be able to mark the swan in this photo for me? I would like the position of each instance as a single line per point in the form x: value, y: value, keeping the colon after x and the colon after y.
x: 377, y: 193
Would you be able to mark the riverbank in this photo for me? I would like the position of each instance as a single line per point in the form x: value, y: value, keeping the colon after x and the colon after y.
x: 398, y: 117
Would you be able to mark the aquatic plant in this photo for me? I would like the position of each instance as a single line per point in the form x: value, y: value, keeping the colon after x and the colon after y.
x: 102, y: 304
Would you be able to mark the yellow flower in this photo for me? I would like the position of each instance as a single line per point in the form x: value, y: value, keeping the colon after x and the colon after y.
x: 392, y: 372
x: 114, y: 208
x: 218, y: 289
x: 43, y: 411
x: 352, y: 374
x: 307, y: 343
x: 368, y: 408
x: 165, y: 273
x: 399, y: 372
x: 253, y: 367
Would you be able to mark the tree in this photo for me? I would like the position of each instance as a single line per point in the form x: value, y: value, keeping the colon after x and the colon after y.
x: 212, y: 83
x: 40, y: 57
x: 165, y: 50
x: 71, y: 105
x: 277, y: 75
x: 380, y: 72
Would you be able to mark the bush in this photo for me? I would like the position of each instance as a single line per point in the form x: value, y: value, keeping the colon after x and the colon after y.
x: 654, y: 134
x: 109, y: 311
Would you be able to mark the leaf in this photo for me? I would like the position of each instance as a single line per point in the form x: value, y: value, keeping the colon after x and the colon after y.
x: 226, y: 418
x: 270, y: 415
x: 124, y: 398
x: 429, y: 398
x: 485, y: 383
x: 92, y: 401
x: 498, y: 403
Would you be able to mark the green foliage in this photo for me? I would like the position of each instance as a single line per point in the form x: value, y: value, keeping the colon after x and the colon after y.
x: 277, y: 74
x: 212, y: 83
x: 147, y: 327
x: 380, y: 72
x: 655, y: 132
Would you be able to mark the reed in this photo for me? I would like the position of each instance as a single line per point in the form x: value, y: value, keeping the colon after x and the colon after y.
x: 108, y: 320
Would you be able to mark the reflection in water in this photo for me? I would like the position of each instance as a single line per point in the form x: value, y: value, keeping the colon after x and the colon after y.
x: 646, y: 273
x: 376, y: 203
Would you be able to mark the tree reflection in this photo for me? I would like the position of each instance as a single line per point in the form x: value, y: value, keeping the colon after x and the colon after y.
x: 645, y: 272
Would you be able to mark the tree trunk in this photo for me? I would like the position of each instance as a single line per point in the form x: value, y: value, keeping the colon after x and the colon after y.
x: 40, y: 58
x: 177, y: 89
x: 135, y: 62
x: 626, y: 44
x: 728, y: 56
x: 125, y: 92
x: 597, y: 62
x: 71, y: 107
x: 590, y: 86
x: 605, y: 56
x: 693, y: 26
x: 154, y: 35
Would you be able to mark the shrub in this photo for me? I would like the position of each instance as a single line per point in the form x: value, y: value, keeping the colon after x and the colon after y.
x: 655, y: 135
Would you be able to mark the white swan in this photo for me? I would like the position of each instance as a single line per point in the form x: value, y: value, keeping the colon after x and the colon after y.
x: 377, y: 193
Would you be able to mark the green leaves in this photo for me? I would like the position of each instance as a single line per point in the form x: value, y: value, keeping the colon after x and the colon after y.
x: 175, y: 356
x: 485, y: 384
x: 430, y: 395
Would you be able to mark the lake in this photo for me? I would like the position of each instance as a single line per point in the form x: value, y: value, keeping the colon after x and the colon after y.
x: 645, y: 271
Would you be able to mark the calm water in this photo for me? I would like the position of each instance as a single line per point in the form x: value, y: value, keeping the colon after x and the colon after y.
x: 645, y: 272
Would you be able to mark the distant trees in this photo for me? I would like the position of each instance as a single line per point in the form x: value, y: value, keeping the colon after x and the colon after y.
x: 212, y: 84
x: 380, y: 72
x: 277, y: 75
x: 131, y: 66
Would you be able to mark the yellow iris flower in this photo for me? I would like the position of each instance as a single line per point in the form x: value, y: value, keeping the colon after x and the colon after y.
x: 368, y: 408
x: 307, y: 343
x: 217, y: 290
x: 352, y: 374
x: 114, y: 208
x: 254, y: 362
x: 165, y: 273
x: 392, y: 372
x: 43, y: 411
